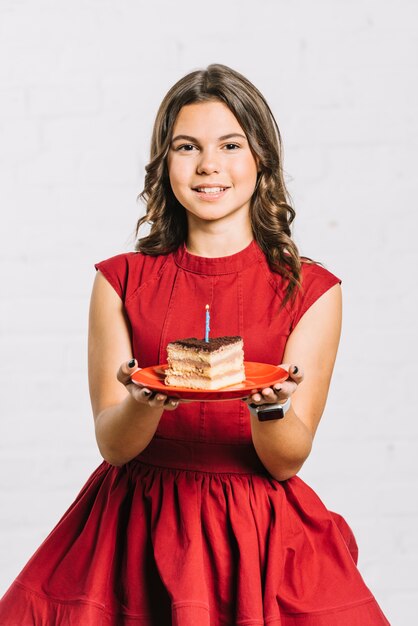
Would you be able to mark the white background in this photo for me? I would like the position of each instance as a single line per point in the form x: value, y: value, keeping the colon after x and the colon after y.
x: 80, y: 83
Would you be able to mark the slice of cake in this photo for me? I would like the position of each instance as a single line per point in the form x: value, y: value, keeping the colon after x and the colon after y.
x: 199, y: 364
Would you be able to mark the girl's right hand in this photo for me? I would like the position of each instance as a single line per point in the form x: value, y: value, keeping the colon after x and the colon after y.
x: 142, y: 395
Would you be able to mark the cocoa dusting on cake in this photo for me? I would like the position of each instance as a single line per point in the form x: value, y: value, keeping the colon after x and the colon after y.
x: 200, y: 344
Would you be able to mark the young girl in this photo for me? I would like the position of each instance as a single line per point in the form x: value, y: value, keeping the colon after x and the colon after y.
x: 196, y: 516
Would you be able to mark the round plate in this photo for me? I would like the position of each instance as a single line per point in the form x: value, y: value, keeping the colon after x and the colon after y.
x: 258, y: 376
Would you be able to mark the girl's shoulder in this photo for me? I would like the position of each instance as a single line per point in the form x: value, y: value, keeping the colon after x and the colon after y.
x: 315, y: 272
x: 315, y: 280
x: 127, y: 271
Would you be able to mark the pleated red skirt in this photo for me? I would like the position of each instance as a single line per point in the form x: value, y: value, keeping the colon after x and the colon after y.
x: 165, y: 541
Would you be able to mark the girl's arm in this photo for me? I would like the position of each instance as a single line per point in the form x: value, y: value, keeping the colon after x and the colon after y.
x: 284, y: 445
x: 126, y: 416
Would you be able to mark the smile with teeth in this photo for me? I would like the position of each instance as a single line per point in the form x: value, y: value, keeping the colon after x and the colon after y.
x: 210, y: 189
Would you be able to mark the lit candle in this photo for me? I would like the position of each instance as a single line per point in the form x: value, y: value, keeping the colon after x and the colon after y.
x: 207, y: 327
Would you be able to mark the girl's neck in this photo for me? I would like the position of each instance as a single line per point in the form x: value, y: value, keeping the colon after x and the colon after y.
x: 216, y: 241
x: 217, y: 246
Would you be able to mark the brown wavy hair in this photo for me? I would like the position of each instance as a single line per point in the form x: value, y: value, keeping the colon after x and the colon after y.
x: 270, y: 211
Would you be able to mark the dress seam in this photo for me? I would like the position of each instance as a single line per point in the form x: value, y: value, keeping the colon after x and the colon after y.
x: 185, y: 603
x: 212, y: 443
x: 331, y: 611
x: 243, y: 414
x: 146, y: 282
x: 275, y: 287
x: 163, y: 341
x: 76, y: 601
x: 194, y: 470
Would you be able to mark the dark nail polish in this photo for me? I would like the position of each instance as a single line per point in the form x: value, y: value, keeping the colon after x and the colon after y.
x: 295, y: 369
x: 131, y: 363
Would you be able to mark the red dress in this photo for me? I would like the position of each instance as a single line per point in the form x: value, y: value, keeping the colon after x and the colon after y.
x: 194, y: 531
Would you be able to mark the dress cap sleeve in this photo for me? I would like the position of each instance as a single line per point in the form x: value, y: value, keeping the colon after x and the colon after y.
x: 316, y: 280
x: 116, y: 272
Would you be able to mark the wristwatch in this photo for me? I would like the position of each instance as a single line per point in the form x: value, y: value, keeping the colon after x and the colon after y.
x: 266, y: 412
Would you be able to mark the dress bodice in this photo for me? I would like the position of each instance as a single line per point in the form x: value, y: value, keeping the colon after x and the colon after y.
x: 165, y: 300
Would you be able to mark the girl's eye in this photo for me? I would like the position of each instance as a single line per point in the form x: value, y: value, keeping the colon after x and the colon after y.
x: 186, y: 147
x: 231, y: 146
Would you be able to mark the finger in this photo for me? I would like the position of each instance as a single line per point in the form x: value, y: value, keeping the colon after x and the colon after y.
x: 158, y: 400
x: 260, y: 398
x: 268, y: 394
x: 126, y: 370
x: 296, y: 374
x: 272, y: 396
x: 154, y: 399
x: 140, y: 394
x: 279, y: 393
x: 145, y: 394
x: 171, y: 404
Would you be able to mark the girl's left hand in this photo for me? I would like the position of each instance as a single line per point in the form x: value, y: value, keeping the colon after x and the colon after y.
x: 280, y: 392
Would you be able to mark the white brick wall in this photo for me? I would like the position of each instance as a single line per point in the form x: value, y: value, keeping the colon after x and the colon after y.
x: 79, y: 85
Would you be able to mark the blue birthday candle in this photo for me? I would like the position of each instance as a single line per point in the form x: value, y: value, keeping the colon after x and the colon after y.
x: 207, y: 327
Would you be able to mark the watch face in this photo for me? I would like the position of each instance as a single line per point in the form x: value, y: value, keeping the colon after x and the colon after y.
x: 270, y: 414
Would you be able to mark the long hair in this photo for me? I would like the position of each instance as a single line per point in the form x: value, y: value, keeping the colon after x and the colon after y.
x: 270, y: 210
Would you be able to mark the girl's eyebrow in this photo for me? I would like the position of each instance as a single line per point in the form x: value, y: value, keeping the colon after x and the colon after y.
x: 193, y: 139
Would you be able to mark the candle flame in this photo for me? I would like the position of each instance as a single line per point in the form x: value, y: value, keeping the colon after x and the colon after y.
x: 207, y: 307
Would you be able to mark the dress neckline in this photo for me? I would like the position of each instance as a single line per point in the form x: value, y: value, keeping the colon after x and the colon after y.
x: 217, y: 265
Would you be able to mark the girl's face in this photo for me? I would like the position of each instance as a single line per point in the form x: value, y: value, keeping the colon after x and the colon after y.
x: 211, y: 168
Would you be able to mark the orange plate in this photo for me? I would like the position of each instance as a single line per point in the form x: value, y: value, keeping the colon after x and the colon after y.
x: 258, y: 376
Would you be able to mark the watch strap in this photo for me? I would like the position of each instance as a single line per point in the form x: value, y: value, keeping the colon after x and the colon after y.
x: 267, y: 412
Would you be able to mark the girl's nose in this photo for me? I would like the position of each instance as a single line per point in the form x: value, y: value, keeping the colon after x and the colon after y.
x: 208, y: 163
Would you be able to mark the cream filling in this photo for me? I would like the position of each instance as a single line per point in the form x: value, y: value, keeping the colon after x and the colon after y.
x: 193, y: 382
x: 203, y: 370
x: 210, y: 359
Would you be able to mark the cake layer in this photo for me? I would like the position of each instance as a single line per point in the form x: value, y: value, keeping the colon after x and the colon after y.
x: 215, y: 343
x: 191, y: 358
x: 183, y: 367
x: 205, y: 383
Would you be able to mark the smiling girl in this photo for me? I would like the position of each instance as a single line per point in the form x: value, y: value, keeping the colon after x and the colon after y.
x: 197, y: 517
